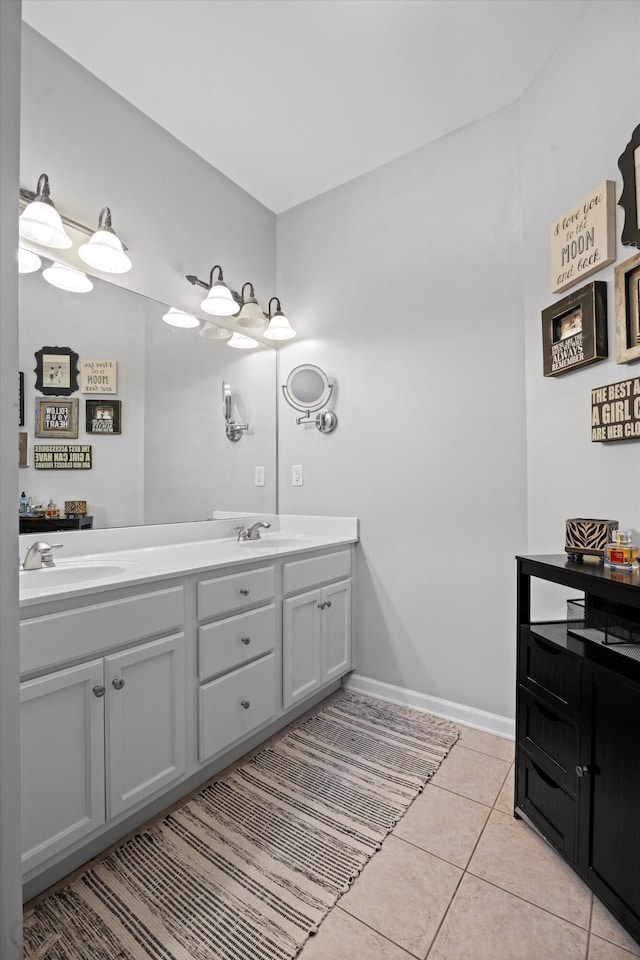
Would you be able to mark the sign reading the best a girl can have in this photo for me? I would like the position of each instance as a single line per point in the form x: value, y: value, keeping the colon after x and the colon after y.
x: 583, y: 239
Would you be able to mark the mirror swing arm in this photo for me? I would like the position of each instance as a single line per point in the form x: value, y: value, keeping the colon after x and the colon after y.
x: 232, y: 429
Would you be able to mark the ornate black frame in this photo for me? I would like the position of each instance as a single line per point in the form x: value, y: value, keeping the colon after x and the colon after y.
x: 56, y: 390
x: 629, y: 196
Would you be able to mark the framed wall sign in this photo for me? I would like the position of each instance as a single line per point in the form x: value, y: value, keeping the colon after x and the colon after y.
x: 629, y: 164
x: 98, y: 376
x: 21, y: 399
x: 615, y: 411
x: 104, y: 416
x: 57, y: 417
x: 22, y: 450
x: 583, y: 240
x: 627, y: 291
x: 574, y: 330
x: 56, y: 371
x: 62, y: 456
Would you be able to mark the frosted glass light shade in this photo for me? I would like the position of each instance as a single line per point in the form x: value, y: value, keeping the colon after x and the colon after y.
x: 219, y: 301
x: 279, y: 328
x: 211, y: 331
x: 240, y: 342
x: 41, y: 223
x: 251, y: 315
x: 67, y: 278
x: 28, y: 262
x: 178, y: 318
x: 104, y: 252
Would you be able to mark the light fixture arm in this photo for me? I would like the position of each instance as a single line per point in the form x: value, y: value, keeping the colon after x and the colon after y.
x: 104, y: 220
x: 197, y: 282
x: 252, y: 292
x: 278, y: 308
x: 220, y: 276
x: 43, y: 194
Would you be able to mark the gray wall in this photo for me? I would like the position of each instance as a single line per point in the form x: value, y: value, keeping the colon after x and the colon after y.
x: 406, y: 287
x: 10, y: 899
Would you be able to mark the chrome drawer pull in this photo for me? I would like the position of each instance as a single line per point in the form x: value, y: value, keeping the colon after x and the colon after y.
x: 582, y: 771
x: 321, y: 606
x: 245, y: 703
x: 328, y: 603
x: 117, y: 684
x: 244, y: 591
x: 245, y: 640
x: 99, y: 690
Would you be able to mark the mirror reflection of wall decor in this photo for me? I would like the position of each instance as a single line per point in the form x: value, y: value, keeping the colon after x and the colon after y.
x: 574, y: 330
x: 22, y: 450
x: 308, y: 389
x: 232, y: 428
x: 56, y: 371
x: 57, y: 417
x: 104, y: 416
x: 62, y: 456
x: 21, y: 399
x: 627, y: 291
x: 629, y: 164
x: 98, y: 376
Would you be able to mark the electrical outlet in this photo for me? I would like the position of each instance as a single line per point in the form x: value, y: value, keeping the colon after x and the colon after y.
x: 259, y: 481
x: 296, y: 475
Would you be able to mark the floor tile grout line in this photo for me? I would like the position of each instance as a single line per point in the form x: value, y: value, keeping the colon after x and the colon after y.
x: 373, y: 930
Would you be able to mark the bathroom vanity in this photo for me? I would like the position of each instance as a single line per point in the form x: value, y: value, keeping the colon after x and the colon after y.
x: 147, y: 668
x: 578, y: 726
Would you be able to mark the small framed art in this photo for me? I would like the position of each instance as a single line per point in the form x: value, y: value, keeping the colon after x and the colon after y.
x: 627, y: 291
x: 56, y: 371
x: 574, y: 330
x: 104, y: 416
x: 57, y: 417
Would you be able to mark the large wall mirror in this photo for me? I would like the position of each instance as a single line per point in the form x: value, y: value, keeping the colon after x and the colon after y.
x: 172, y: 460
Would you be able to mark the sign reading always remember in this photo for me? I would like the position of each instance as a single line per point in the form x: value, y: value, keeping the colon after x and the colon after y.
x: 583, y: 240
x: 615, y: 411
x: 62, y: 456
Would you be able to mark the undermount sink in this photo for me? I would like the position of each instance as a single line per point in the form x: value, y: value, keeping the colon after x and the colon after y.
x: 71, y: 572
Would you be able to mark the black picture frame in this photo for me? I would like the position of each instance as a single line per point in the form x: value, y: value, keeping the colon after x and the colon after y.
x: 627, y: 301
x: 56, y: 371
x: 574, y: 330
x: 630, y: 191
x: 20, y: 399
x: 104, y: 416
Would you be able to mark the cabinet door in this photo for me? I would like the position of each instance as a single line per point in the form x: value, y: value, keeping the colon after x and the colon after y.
x: 336, y: 640
x: 146, y: 731
x: 301, y: 646
x: 62, y: 760
x: 609, y: 826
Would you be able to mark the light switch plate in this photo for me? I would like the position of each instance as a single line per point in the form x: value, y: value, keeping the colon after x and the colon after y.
x: 296, y: 475
x: 259, y: 481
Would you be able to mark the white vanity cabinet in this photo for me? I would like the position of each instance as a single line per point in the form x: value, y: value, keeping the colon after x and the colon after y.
x: 236, y: 658
x: 316, y: 624
x: 100, y: 736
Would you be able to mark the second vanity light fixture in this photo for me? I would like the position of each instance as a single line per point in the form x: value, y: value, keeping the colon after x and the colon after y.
x: 244, y: 308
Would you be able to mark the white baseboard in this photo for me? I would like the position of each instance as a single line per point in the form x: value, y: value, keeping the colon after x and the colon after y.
x: 458, y: 712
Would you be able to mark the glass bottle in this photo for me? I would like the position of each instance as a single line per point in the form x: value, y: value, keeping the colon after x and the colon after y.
x: 621, y: 552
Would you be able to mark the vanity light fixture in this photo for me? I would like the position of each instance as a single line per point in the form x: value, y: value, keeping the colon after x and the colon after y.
x: 178, y: 318
x: 240, y: 342
x: 211, y: 331
x: 279, y: 327
x: 28, y: 262
x: 251, y: 314
x: 40, y: 222
x: 67, y: 278
x: 104, y: 251
x: 220, y: 301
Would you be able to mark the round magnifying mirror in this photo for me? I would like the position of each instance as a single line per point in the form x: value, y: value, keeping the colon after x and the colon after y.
x: 307, y: 387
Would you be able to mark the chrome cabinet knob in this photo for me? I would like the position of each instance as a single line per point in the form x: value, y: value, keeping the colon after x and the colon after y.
x: 245, y: 703
x: 582, y: 771
x: 245, y: 640
x: 99, y: 690
x: 328, y: 603
x: 244, y: 591
x: 118, y: 683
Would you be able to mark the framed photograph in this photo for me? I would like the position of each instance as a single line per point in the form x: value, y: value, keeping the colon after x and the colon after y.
x: 104, y: 416
x: 57, y: 417
x: 56, y: 371
x: 22, y: 450
x: 574, y: 330
x: 627, y: 291
x: 629, y: 164
x: 21, y: 399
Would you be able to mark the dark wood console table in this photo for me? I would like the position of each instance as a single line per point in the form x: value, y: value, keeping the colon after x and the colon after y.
x: 49, y: 524
x: 578, y: 730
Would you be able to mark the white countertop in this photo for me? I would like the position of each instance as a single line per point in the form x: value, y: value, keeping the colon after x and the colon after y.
x: 94, y: 561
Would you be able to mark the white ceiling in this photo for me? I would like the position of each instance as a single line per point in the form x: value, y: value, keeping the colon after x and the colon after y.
x: 290, y: 98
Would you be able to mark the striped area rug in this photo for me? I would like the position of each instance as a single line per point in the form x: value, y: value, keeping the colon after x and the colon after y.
x: 248, y: 868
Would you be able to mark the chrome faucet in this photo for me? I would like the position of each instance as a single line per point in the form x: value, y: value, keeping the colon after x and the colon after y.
x: 39, y: 555
x: 253, y: 533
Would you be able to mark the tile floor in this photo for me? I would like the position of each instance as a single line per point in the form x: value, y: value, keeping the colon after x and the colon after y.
x: 460, y: 879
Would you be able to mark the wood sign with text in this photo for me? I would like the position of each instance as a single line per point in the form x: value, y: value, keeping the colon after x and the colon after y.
x: 98, y: 376
x: 62, y: 456
x: 583, y: 239
x: 615, y: 411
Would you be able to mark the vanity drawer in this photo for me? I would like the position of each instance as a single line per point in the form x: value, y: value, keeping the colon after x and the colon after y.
x: 230, y: 643
x: 232, y: 706
x: 549, y: 738
x: 60, y: 638
x: 299, y: 575
x: 551, y: 673
x: 224, y: 594
x: 550, y: 809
